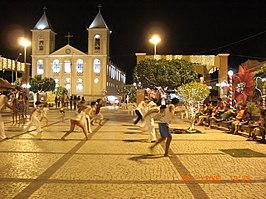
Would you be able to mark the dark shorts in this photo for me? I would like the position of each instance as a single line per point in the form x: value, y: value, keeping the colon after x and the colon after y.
x: 164, y: 130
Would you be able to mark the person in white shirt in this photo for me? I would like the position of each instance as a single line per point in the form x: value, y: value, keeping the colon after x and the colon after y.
x: 34, y: 120
x: 3, y: 104
x: 140, y: 110
x: 80, y: 121
x: 165, y: 116
x: 44, y: 113
x: 152, y: 110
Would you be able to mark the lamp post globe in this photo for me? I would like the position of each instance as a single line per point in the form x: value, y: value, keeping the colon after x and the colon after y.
x: 155, y: 39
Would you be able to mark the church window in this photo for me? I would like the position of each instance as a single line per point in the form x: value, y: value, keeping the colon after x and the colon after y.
x: 97, y: 66
x: 80, y: 66
x: 40, y: 67
x: 79, y: 80
x: 67, y: 66
x: 79, y: 87
x: 97, y: 42
x: 56, y: 66
x: 96, y: 80
x: 67, y: 86
x: 41, y: 44
x: 68, y: 79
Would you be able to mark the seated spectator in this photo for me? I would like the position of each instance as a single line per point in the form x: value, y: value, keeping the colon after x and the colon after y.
x: 242, y: 117
x: 207, y: 113
x: 237, y: 124
x: 225, y: 116
x: 260, y: 130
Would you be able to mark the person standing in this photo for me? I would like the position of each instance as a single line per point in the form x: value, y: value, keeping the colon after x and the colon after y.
x: 165, y: 116
x: 21, y: 108
x: 3, y: 104
x: 14, y: 104
x: 71, y: 102
x: 75, y: 102
x: 56, y: 101
x: 67, y: 102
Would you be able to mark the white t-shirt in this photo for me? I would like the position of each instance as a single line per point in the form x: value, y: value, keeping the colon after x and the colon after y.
x: 167, y: 115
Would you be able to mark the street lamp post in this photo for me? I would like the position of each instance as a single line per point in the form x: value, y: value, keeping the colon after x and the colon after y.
x: 25, y: 43
x: 155, y: 40
x: 230, y: 74
x: 16, y: 67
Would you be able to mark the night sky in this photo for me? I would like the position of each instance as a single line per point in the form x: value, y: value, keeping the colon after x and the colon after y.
x: 237, y: 27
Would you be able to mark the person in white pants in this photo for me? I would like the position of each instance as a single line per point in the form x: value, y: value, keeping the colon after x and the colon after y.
x: 34, y: 120
x: 152, y: 110
x: 3, y: 104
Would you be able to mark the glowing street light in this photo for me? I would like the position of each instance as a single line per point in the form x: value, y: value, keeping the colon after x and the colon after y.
x: 25, y: 43
x: 155, y: 40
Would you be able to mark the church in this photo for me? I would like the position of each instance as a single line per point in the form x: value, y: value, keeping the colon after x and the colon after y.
x: 90, y: 75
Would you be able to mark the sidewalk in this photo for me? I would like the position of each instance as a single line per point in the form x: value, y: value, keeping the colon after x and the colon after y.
x: 116, y: 163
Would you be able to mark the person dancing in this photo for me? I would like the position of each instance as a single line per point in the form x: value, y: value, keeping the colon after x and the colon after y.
x: 165, y: 116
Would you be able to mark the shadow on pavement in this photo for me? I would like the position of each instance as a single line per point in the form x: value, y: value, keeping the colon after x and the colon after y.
x: 131, y: 133
x: 139, y: 158
x: 138, y: 140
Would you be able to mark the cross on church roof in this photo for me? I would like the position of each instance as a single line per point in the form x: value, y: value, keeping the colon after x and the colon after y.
x: 99, y: 6
x: 44, y: 8
x: 68, y: 37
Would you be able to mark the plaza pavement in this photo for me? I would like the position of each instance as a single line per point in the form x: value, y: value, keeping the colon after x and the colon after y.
x: 116, y: 163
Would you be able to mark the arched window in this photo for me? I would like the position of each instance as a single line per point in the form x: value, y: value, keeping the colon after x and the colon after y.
x: 67, y: 66
x: 79, y: 87
x: 97, y: 66
x: 97, y: 42
x: 40, y: 43
x: 56, y: 66
x: 40, y: 67
x: 80, y: 66
x: 67, y: 86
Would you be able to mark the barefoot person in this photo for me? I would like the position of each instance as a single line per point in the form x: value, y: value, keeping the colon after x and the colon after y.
x: 80, y: 121
x: 165, y: 116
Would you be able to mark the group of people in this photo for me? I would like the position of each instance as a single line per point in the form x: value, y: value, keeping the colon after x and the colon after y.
x: 68, y: 102
x: 147, y: 111
x: 234, y: 117
x: 85, y: 115
x: 19, y: 105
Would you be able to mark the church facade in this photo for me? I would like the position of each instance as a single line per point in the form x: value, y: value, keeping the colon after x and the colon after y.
x: 91, y: 74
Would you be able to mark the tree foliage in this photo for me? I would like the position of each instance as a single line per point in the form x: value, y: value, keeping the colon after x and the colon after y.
x: 41, y: 85
x: 164, y: 73
x: 129, y: 90
x: 192, y: 94
x: 259, y: 75
x: 61, y: 91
